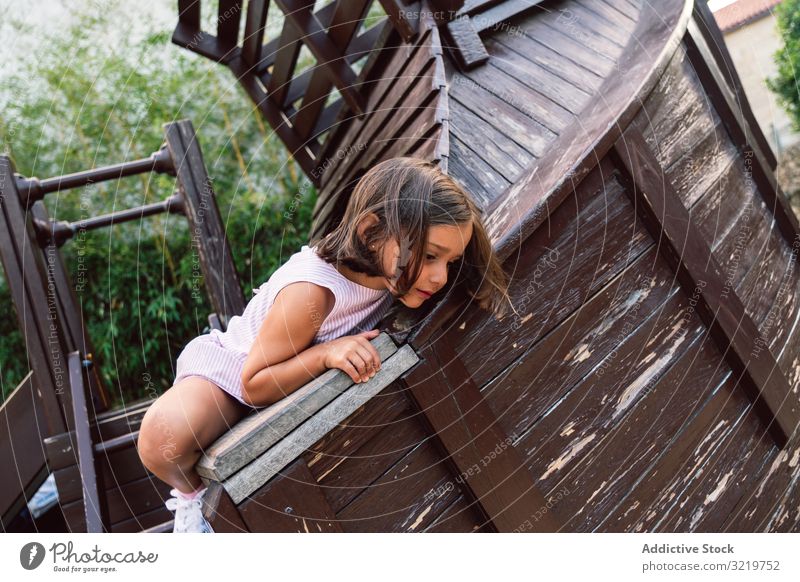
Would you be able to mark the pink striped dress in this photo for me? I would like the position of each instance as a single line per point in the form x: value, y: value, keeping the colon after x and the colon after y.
x: 220, y: 356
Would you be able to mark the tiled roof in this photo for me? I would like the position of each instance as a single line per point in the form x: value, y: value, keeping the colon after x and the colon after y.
x: 741, y: 12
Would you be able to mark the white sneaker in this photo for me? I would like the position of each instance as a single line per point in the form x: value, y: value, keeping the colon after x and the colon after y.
x: 188, y: 513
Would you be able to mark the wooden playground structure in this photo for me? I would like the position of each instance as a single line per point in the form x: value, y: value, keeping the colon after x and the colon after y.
x: 650, y: 379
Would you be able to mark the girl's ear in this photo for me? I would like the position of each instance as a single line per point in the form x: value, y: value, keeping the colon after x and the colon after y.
x: 369, y: 220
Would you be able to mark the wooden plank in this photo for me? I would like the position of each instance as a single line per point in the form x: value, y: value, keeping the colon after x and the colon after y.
x: 228, y: 16
x: 552, y: 178
x: 567, y: 47
x: 343, y: 25
x: 496, y: 16
x: 519, y: 49
x: 325, y: 457
x: 516, y: 88
x: 291, y: 503
x: 481, y: 452
x: 353, y: 474
x: 116, y: 468
x: 736, y: 124
x: 714, y: 41
x: 600, y: 483
x: 416, y: 76
x: 706, y: 427
x: 523, y: 131
x: 94, y: 507
x: 695, y: 470
x: 75, y: 335
x: 221, y: 513
x: 723, y: 312
x: 60, y: 448
x: 25, y: 274
x: 407, y: 498
x: 407, y: 27
x: 466, y: 46
x: 393, y: 111
x: 589, y: 19
x: 708, y: 461
x: 126, y: 504
x: 219, y: 272
x: 459, y: 517
x: 255, y: 22
x: 491, y: 183
x: 259, y: 471
x: 328, y: 55
x: 285, y: 61
x: 20, y: 419
x: 404, y: 59
x: 588, y: 241
x: 421, y: 130
x: 622, y: 21
x: 257, y: 432
x: 189, y: 13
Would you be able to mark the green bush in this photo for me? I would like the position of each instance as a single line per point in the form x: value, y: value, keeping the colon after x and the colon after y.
x: 786, y: 84
x: 89, y: 96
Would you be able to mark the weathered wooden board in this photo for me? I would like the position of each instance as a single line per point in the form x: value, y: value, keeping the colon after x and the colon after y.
x: 259, y: 471
x: 257, y: 432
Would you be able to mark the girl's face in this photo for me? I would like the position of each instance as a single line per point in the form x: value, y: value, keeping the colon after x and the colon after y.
x: 445, y: 245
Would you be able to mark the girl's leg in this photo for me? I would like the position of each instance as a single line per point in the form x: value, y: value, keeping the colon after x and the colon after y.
x: 180, y: 424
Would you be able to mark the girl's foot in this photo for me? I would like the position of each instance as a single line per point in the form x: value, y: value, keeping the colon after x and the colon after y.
x: 188, y: 512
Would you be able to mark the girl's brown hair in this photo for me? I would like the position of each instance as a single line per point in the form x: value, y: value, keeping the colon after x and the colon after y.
x: 409, y: 195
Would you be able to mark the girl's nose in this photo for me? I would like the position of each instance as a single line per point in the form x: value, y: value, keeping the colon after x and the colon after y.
x: 438, y: 277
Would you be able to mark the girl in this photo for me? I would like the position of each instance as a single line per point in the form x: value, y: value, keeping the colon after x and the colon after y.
x: 407, y: 228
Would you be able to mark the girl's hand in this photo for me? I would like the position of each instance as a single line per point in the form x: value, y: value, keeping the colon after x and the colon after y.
x: 354, y: 355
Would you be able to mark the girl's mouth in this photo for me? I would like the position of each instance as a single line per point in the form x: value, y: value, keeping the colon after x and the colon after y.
x: 423, y: 293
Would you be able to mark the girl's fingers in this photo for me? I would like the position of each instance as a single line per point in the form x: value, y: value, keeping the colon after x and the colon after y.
x: 369, y: 364
x: 350, y: 370
x: 360, y: 365
x: 372, y: 356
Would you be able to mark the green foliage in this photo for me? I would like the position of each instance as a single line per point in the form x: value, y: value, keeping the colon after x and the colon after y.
x: 94, y: 95
x: 786, y: 84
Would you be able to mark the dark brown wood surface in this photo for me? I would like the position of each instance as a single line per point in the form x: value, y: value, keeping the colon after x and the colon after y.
x: 721, y: 309
x: 20, y: 419
x: 291, y: 503
x: 219, y: 272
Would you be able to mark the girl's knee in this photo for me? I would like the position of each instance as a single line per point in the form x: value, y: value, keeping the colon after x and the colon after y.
x: 160, y: 441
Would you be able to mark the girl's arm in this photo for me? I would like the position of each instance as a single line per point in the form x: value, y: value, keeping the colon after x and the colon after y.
x: 282, y: 358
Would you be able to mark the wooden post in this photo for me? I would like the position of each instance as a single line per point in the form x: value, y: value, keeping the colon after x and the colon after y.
x: 219, y: 272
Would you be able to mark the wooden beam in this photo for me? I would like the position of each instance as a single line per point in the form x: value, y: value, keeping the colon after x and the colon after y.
x: 738, y: 128
x: 683, y: 245
x: 216, y: 260
x: 189, y: 13
x: 467, y: 46
x: 344, y: 24
x: 258, y: 432
x: 274, y: 117
x: 285, y: 60
x: 228, y: 16
x: 35, y: 307
x: 255, y: 22
x: 328, y: 55
x: 483, y: 455
x: 710, y: 32
x: 401, y: 19
x: 94, y: 512
x: 285, y: 451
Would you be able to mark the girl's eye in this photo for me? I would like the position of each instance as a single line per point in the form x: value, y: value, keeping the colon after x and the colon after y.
x: 431, y: 256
